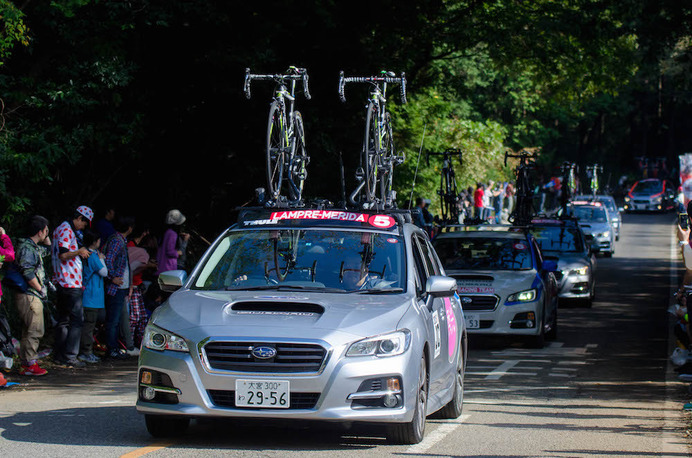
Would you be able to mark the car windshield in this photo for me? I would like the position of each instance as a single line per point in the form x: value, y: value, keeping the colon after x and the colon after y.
x: 559, y: 239
x: 648, y: 187
x: 328, y: 260
x: 589, y: 213
x: 484, y: 253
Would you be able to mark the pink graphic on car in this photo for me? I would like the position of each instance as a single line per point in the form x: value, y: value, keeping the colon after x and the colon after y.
x: 451, y: 328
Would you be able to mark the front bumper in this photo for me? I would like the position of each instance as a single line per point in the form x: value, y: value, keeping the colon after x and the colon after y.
x: 499, y: 321
x: 340, y: 378
x: 575, y: 286
x: 643, y: 205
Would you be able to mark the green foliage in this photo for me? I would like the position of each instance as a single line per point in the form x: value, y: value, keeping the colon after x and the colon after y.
x: 13, y: 31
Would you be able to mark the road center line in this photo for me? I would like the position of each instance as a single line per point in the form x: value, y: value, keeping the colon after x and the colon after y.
x: 148, y: 449
x: 436, y: 436
x: 502, y: 369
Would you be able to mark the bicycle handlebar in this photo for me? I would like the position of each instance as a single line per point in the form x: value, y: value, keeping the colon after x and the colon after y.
x: 446, y: 153
x: 523, y: 154
x: 300, y: 74
x: 372, y: 80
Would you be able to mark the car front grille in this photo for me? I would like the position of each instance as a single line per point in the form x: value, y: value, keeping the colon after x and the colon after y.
x: 289, y: 358
x: 641, y: 202
x: 226, y: 398
x: 476, y: 303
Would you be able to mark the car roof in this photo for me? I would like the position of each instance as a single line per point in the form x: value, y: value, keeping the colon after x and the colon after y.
x: 498, y: 234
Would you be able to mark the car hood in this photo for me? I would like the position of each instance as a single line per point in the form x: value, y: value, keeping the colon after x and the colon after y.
x: 568, y: 261
x: 281, y: 314
x: 595, y: 227
x: 500, y: 282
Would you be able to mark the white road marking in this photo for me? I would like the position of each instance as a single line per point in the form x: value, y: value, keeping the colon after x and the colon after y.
x: 502, y: 369
x: 591, y: 345
x: 514, y: 390
x: 436, y: 436
x: 581, y: 363
x: 556, y: 344
x: 560, y: 375
x: 488, y: 374
x: 566, y: 369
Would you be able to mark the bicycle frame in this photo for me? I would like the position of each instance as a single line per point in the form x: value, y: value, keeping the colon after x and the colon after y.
x: 524, y: 210
x: 448, y: 192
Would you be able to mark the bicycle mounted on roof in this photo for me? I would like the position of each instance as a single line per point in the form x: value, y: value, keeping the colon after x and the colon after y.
x: 448, y: 192
x: 378, y: 157
x: 523, y: 210
x: 569, y: 171
x: 286, y: 156
x: 594, y: 183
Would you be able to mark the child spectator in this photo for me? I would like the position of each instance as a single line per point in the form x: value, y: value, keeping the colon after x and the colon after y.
x: 94, y: 295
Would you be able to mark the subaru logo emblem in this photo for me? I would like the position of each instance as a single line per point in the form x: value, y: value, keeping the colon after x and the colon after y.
x: 263, y: 352
x: 466, y: 300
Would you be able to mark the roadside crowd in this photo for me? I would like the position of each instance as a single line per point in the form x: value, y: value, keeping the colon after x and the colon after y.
x: 682, y: 354
x: 103, y: 280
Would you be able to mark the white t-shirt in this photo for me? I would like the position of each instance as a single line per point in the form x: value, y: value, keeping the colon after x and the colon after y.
x: 687, y: 256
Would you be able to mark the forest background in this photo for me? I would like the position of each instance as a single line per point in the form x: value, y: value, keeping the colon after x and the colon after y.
x: 139, y: 105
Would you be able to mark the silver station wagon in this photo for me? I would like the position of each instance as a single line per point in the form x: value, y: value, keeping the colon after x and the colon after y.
x: 308, y: 315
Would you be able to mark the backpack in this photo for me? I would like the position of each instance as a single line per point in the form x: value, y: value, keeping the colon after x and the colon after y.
x: 6, y: 345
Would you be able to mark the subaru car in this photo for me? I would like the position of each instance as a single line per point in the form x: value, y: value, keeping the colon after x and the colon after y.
x: 505, y: 285
x: 611, y: 207
x: 650, y: 195
x: 594, y: 220
x: 329, y: 315
x: 562, y: 240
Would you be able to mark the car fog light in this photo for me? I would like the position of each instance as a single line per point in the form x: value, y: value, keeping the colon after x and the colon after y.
x: 148, y: 393
x: 658, y: 206
x: 146, y: 377
x: 529, y: 324
x: 390, y: 400
x: 393, y: 384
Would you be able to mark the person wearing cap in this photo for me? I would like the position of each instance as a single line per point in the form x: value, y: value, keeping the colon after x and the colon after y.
x: 67, y: 275
x: 173, y: 243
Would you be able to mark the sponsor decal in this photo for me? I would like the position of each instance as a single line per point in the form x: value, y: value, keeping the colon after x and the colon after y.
x: 392, y: 240
x: 266, y: 312
x: 378, y: 221
x: 451, y: 329
x: 436, y: 326
x: 519, y: 246
x: 475, y: 286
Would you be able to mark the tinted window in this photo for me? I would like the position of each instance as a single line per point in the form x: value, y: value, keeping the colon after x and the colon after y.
x: 305, y: 258
x: 588, y: 213
x: 559, y: 239
x: 484, y: 253
x: 648, y: 187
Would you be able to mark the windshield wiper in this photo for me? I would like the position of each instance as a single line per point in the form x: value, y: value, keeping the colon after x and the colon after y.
x: 284, y: 287
x: 378, y: 291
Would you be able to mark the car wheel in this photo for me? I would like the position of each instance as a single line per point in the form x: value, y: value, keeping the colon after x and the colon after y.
x: 163, y: 426
x: 413, y: 432
x: 552, y: 334
x: 455, y: 406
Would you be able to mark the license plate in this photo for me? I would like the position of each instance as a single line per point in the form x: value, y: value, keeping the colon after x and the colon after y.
x: 274, y: 394
x: 472, y: 321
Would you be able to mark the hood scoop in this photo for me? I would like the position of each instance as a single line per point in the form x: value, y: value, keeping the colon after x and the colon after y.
x: 277, y: 308
x: 473, y: 277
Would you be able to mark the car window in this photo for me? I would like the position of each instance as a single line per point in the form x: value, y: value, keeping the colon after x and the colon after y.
x: 558, y: 239
x: 539, y: 256
x: 343, y: 260
x: 648, y: 187
x: 429, y: 252
x: 589, y: 213
x: 421, y: 273
x: 483, y: 253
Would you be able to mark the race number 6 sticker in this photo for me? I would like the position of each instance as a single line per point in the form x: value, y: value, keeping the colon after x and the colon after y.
x: 381, y: 221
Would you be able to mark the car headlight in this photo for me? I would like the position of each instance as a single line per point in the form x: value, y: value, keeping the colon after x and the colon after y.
x: 523, y: 296
x: 156, y: 338
x: 394, y: 343
x: 580, y: 271
x: 627, y: 199
x: 605, y: 234
x: 657, y: 200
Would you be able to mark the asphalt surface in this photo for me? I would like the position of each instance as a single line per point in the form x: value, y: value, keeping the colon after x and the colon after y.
x: 603, y: 388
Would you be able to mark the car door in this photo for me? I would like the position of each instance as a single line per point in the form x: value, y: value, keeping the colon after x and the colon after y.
x: 550, y: 287
x: 440, y: 374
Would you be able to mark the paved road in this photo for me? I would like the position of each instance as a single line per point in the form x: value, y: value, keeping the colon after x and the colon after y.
x: 602, y: 389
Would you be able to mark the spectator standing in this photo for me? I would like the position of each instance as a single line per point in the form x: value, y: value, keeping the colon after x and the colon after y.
x: 67, y: 271
x: 509, y: 196
x: 6, y: 251
x: 94, y: 302
x: 139, y: 263
x: 419, y: 217
x: 118, y: 282
x: 478, y: 201
x: 104, y: 227
x: 29, y: 262
x: 169, y: 249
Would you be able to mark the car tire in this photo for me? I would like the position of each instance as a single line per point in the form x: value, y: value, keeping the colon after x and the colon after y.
x: 609, y: 254
x: 552, y: 334
x: 413, y: 431
x: 454, y: 407
x: 165, y: 426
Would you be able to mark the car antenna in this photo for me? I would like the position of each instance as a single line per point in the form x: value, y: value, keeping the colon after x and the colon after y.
x: 413, y: 186
x: 343, y: 178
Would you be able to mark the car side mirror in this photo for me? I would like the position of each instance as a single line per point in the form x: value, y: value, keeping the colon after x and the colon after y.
x: 439, y: 286
x: 550, y: 266
x: 172, y: 280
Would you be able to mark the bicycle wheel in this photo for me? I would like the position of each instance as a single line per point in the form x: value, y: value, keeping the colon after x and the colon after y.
x: 386, y: 159
x: 276, y: 146
x: 444, y: 207
x: 299, y: 158
x: 371, y: 152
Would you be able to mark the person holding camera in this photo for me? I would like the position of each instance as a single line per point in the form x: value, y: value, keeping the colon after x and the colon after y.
x: 28, y: 299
